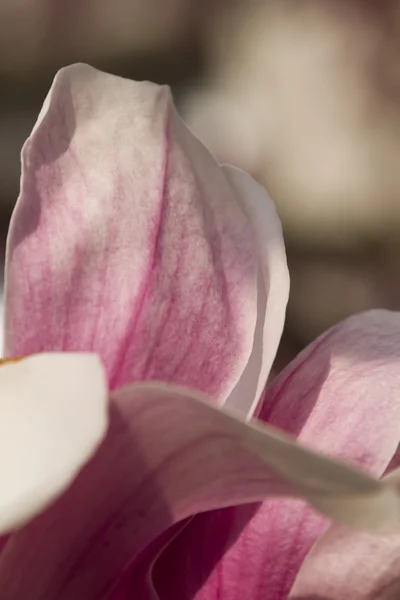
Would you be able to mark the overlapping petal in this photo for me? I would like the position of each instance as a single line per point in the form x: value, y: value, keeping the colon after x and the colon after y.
x: 168, y: 455
x: 53, y: 416
x: 349, y: 564
x: 129, y: 240
x: 340, y: 396
x: 273, y: 289
x: 345, y: 563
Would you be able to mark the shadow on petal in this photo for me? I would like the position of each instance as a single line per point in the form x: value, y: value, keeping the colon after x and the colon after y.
x: 322, y: 400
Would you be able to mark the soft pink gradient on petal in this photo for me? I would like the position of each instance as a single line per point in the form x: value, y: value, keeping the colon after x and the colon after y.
x: 347, y: 564
x: 350, y: 564
x: 168, y: 455
x: 341, y: 396
x: 228, y: 553
x: 127, y: 240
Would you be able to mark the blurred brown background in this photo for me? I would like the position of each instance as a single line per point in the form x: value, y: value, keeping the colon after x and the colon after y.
x: 303, y: 94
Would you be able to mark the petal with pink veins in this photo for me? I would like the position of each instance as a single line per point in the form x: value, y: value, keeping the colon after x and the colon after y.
x: 350, y: 564
x: 170, y: 454
x: 130, y: 241
x: 340, y: 396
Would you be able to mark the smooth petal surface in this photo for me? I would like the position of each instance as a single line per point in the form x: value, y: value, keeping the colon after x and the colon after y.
x: 340, y: 396
x: 128, y: 240
x: 352, y: 564
x: 167, y: 456
x: 53, y: 415
x: 249, y: 551
x: 273, y: 288
x: 348, y: 564
x: 170, y: 455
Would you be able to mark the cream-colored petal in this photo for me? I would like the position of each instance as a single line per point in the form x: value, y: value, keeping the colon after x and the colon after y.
x: 53, y: 415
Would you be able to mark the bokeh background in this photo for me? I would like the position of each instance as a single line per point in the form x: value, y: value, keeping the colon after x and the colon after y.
x: 303, y: 94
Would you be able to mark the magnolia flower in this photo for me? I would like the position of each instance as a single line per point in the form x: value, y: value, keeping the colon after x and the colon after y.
x: 141, y: 479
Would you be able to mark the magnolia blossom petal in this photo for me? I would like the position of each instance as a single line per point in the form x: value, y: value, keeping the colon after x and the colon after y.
x: 170, y: 454
x: 249, y: 551
x: 352, y: 564
x: 273, y: 289
x: 53, y: 415
x: 348, y: 564
x: 340, y: 396
x: 127, y: 240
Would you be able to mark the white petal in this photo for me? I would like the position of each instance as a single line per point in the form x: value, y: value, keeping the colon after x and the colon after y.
x: 53, y: 415
x: 273, y: 289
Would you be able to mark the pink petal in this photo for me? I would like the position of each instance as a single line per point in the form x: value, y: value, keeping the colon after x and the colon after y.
x: 347, y: 564
x: 128, y: 241
x: 350, y: 564
x: 340, y: 396
x: 169, y: 455
x: 254, y: 549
